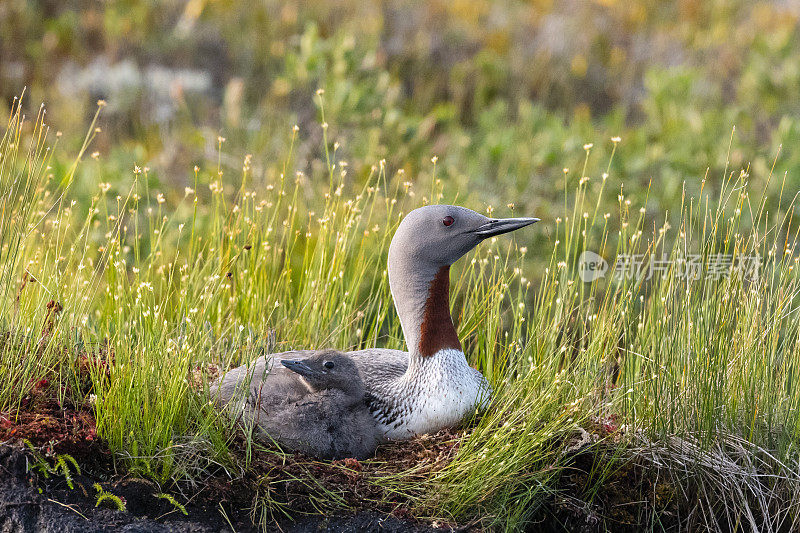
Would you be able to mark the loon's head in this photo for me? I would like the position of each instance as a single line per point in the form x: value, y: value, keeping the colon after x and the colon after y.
x: 328, y: 369
x: 438, y: 235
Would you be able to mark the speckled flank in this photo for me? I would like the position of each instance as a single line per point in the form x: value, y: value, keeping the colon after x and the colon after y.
x: 437, y: 331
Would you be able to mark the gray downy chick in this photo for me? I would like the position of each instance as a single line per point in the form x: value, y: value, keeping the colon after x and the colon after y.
x: 332, y: 420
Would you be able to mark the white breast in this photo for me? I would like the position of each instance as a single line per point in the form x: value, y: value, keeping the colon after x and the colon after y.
x: 438, y: 392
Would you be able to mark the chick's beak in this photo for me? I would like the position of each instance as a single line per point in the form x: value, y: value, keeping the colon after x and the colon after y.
x: 298, y: 366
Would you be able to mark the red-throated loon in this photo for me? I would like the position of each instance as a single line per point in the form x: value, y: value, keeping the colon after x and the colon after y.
x: 431, y: 386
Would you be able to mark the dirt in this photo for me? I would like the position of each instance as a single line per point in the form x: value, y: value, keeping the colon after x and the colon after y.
x: 31, y: 502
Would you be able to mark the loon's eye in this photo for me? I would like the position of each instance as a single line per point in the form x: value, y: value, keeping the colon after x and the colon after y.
x: 448, y: 220
x: 328, y: 364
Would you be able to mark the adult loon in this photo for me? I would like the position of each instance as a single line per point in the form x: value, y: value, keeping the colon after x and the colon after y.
x: 431, y: 386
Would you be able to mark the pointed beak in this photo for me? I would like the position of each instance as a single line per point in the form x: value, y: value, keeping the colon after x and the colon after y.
x: 298, y: 366
x: 503, y: 225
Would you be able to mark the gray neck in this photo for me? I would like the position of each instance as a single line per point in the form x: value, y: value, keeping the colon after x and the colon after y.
x: 422, y: 299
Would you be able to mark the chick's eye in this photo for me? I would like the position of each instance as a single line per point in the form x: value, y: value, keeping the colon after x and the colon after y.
x: 448, y: 220
x: 328, y: 364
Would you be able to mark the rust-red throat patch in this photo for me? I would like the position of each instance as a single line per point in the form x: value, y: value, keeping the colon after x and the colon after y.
x: 437, y: 331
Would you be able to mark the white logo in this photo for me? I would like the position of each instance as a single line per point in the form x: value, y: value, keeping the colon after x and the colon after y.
x: 591, y: 266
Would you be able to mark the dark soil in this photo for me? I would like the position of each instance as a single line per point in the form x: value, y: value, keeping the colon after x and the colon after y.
x: 29, y: 502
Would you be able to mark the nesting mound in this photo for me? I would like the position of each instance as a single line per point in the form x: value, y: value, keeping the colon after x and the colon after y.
x: 299, y: 484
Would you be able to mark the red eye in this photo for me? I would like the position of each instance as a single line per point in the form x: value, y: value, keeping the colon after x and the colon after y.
x: 448, y: 221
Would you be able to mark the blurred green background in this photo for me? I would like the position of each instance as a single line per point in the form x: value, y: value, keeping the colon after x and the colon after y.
x: 505, y: 94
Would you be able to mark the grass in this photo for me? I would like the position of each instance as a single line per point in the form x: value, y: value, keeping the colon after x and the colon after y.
x: 692, y: 379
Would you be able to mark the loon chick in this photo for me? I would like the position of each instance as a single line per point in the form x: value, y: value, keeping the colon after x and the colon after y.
x: 331, y: 420
x: 431, y: 386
